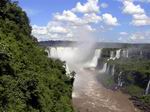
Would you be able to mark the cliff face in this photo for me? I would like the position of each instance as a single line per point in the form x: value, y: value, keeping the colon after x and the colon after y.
x: 29, y: 81
x: 128, y: 69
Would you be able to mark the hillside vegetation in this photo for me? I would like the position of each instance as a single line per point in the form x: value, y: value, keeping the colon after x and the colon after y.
x: 131, y: 75
x: 29, y: 81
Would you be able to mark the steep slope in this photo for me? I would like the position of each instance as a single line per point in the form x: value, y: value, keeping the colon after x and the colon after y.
x: 129, y: 73
x: 29, y: 81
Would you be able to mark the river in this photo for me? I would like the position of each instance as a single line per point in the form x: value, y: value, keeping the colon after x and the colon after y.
x: 90, y: 96
x: 88, y: 93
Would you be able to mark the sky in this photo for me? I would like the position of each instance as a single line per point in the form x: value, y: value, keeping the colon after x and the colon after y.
x: 102, y: 20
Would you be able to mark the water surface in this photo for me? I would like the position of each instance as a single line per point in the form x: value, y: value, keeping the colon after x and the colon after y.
x: 90, y: 96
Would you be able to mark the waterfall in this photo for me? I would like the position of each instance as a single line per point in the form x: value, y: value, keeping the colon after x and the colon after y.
x: 125, y: 53
x: 120, y: 80
x: 70, y: 55
x: 62, y: 53
x: 118, y: 53
x: 94, y: 61
x: 113, y: 70
x: 95, y: 58
x: 147, y: 88
x: 108, y: 69
x: 48, y: 51
x: 104, y: 68
x: 67, y: 69
x: 141, y: 53
x: 111, y: 56
x: 53, y: 52
x: 49, y: 54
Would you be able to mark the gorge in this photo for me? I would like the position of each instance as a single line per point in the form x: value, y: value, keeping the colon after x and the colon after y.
x: 67, y: 76
x: 101, y: 67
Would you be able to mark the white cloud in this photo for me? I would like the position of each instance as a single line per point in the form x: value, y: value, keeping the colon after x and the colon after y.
x: 90, y: 7
x: 104, y: 5
x: 109, y: 19
x: 143, y: 1
x: 123, y: 33
x: 70, y: 35
x: 137, y: 36
x: 130, y: 8
x: 139, y: 17
x: 120, y: 38
x: 70, y: 24
x: 53, y: 30
x: 89, y: 28
x: 147, y: 1
x: 91, y: 18
x: 68, y: 16
x: 140, y: 20
x: 57, y: 29
x: 40, y: 30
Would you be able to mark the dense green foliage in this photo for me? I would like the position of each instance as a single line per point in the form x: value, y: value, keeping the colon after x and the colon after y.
x: 133, y: 71
x: 135, y: 75
x: 29, y: 81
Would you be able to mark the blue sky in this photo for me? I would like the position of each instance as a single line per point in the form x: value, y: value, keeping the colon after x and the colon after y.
x: 105, y: 20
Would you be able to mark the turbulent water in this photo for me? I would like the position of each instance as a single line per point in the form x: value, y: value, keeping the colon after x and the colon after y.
x: 88, y: 93
x: 90, y: 96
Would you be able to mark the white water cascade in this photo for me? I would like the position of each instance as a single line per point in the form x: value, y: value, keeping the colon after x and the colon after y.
x: 104, y: 68
x: 119, y: 80
x: 70, y: 55
x: 107, y: 69
x: 93, y: 63
x: 113, y: 70
x: 141, y: 53
x: 67, y: 69
x: 48, y: 52
x: 112, y: 55
x: 62, y: 53
x: 147, y: 88
x: 53, y: 52
x: 88, y: 93
x: 125, y: 53
x: 118, y: 53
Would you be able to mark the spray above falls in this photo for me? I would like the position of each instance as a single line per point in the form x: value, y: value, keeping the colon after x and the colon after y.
x: 75, y: 55
x: 83, y: 54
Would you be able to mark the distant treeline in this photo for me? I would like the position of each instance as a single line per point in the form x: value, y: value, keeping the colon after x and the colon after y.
x: 67, y: 43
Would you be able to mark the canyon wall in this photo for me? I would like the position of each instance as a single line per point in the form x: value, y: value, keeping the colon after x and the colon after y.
x: 128, y: 70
